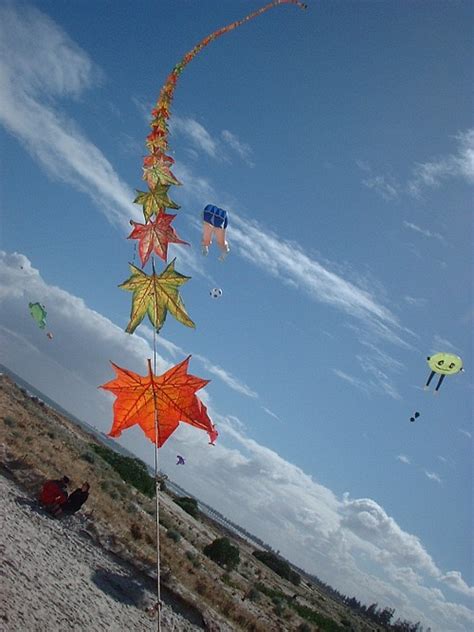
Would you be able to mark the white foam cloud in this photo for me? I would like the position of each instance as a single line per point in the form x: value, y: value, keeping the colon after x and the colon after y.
x: 428, y: 175
x: 288, y: 262
x: 242, y: 149
x: 354, y: 381
x: 403, y: 459
x: 39, y: 64
x: 197, y: 134
x: 423, y: 231
x: 459, y: 165
x: 432, y: 476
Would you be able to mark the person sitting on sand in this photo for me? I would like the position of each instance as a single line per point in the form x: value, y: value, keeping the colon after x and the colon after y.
x: 54, y: 492
x: 75, y: 500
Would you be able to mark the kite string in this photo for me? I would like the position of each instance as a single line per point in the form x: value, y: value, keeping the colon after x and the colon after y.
x: 157, y: 499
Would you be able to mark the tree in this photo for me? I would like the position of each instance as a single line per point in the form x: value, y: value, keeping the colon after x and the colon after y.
x: 223, y: 553
x: 189, y: 505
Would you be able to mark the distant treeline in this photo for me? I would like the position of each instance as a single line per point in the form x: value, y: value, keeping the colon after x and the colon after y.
x: 132, y: 470
x: 380, y: 616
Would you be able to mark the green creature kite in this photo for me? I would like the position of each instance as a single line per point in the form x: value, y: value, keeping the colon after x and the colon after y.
x: 39, y: 314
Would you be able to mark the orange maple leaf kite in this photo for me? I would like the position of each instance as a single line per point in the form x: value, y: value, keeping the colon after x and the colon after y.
x: 167, y: 399
x: 202, y: 420
x: 155, y: 236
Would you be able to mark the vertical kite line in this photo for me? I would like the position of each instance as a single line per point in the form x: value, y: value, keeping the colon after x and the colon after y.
x: 157, y: 491
x: 157, y: 173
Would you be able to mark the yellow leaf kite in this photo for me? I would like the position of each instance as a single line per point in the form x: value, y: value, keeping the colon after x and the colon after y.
x: 155, y: 295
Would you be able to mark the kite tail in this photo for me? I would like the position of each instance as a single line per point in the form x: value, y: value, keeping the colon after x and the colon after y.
x: 157, y: 141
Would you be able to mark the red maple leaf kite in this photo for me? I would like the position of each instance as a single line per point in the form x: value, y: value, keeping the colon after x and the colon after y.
x: 168, y: 398
x: 154, y: 236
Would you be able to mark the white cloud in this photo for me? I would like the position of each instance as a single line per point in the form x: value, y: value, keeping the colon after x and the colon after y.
x: 215, y: 147
x: 379, y: 379
x: 459, y: 165
x: 432, y: 476
x: 228, y: 379
x: 430, y: 174
x: 466, y: 433
x: 38, y: 65
x: 351, y: 380
x: 242, y: 149
x: 440, y: 343
x: 403, y: 459
x: 352, y: 544
x: 423, y: 231
x: 416, y: 302
x: 385, y: 186
x: 197, y: 134
x: 289, y: 263
x: 271, y: 413
x: 454, y: 580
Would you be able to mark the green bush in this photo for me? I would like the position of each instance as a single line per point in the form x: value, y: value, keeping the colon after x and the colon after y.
x: 189, y: 505
x: 279, y: 598
x: 173, y: 535
x: 223, y: 553
x: 132, y: 470
x: 253, y: 594
x: 324, y: 623
x: 279, y: 609
x: 88, y: 456
x: 165, y: 521
x: 227, y: 580
x: 9, y: 421
x: 278, y: 565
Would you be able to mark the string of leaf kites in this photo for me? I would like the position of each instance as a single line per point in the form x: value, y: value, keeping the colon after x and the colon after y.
x: 159, y: 403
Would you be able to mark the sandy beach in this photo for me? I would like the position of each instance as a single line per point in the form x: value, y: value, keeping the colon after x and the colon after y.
x: 54, y: 578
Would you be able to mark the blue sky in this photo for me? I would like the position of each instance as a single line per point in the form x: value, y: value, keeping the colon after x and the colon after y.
x: 341, y: 140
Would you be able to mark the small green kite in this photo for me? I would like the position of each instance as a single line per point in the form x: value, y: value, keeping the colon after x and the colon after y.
x: 39, y: 314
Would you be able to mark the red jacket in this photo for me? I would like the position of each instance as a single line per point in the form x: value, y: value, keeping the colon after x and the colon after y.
x: 52, y: 493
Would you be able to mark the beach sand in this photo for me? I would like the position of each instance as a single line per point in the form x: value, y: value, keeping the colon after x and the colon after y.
x: 54, y: 578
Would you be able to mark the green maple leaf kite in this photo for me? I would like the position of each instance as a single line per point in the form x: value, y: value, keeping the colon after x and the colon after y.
x: 159, y: 174
x: 155, y: 201
x: 156, y: 295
